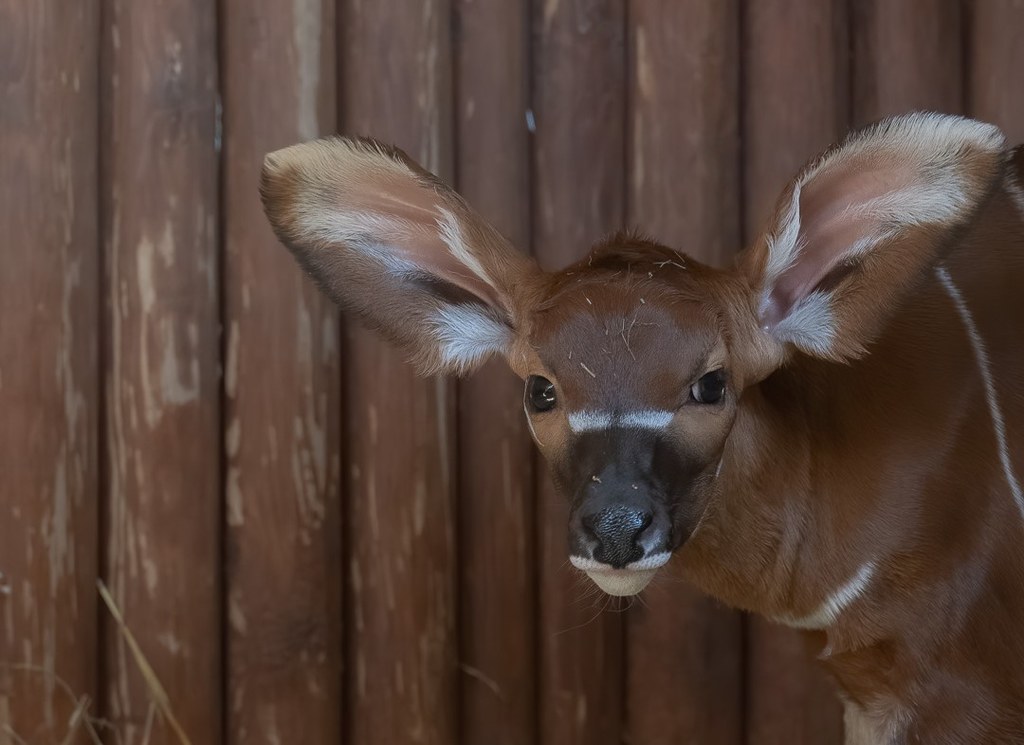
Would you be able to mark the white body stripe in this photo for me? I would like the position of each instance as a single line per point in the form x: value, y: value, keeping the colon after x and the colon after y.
x: 985, y: 368
x: 834, y: 605
x: 588, y: 421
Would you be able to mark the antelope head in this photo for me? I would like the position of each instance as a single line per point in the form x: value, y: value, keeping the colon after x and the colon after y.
x: 637, y: 360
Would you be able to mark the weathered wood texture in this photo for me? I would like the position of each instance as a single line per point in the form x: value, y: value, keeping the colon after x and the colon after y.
x: 684, y: 679
x: 795, y: 103
x: 795, y: 93
x: 579, y: 93
x: 161, y: 363
x: 995, y: 60
x: 495, y: 466
x: 907, y: 55
x: 402, y: 645
x: 282, y: 394
x: 684, y: 117
x: 310, y: 543
x: 49, y: 372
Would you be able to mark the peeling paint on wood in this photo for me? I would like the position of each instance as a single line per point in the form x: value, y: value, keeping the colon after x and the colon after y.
x: 995, y: 61
x: 282, y: 386
x: 907, y: 56
x: 402, y: 495
x: 162, y: 540
x: 48, y: 363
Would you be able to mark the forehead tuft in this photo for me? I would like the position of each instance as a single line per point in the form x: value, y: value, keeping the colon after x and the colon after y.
x: 613, y: 338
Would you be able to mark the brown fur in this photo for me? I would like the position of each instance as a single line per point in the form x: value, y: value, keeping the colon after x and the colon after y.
x: 878, y: 447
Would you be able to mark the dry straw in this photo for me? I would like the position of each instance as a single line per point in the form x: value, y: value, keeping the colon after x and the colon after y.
x: 156, y: 689
x: 80, y: 718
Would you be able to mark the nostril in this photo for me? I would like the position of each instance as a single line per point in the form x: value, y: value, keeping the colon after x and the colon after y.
x: 616, y: 520
x: 617, y: 530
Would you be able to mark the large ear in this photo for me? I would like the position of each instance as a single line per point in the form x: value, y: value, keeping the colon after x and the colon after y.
x: 859, y: 226
x: 391, y: 243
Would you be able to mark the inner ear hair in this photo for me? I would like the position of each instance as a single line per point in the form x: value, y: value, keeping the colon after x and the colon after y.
x: 451, y: 293
x: 904, y: 171
x: 860, y: 224
x: 838, y: 273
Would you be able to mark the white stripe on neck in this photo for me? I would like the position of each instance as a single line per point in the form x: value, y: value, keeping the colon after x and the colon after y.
x: 833, y: 606
x: 588, y: 421
x: 985, y: 368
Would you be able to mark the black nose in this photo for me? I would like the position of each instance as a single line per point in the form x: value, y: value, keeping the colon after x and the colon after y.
x: 617, y: 530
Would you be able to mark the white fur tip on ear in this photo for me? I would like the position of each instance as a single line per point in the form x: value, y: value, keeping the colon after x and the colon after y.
x: 930, y: 131
x: 810, y: 326
x: 467, y: 335
x: 272, y: 162
x: 300, y: 155
x: 342, y: 162
x: 863, y: 197
x: 928, y: 144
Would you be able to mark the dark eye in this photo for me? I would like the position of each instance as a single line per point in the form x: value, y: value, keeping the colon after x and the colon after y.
x: 710, y: 389
x: 540, y: 393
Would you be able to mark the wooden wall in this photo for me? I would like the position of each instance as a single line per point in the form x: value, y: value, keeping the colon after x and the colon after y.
x: 310, y: 544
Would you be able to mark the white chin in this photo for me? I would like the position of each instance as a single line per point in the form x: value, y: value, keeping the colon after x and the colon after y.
x: 622, y: 582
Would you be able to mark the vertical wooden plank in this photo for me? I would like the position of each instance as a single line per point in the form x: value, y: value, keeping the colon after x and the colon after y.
x: 684, y: 125
x: 579, y: 109
x: 49, y: 376
x: 684, y: 651
x: 496, y: 476
x: 161, y: 363
x: 282, y: 384
x: 402, y: 513
x: 795, y: 94
x: 995, y: 63
x: 795, y: 104
x: 908, y: 55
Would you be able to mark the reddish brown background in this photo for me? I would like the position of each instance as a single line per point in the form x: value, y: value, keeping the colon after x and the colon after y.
x: 311, y: 544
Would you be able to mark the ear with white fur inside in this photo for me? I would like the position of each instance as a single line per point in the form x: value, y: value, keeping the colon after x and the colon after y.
x: 391, y: 243
x: 860, y: 224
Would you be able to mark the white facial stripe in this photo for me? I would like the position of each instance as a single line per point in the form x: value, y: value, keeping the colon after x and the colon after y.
x: 834, y: 605
x: 584, y: 421
x: 985, y: 368
x: 589, y: 421
x: 646, y: 419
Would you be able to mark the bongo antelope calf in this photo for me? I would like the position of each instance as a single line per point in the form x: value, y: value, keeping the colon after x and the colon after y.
x: 827, y: 433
